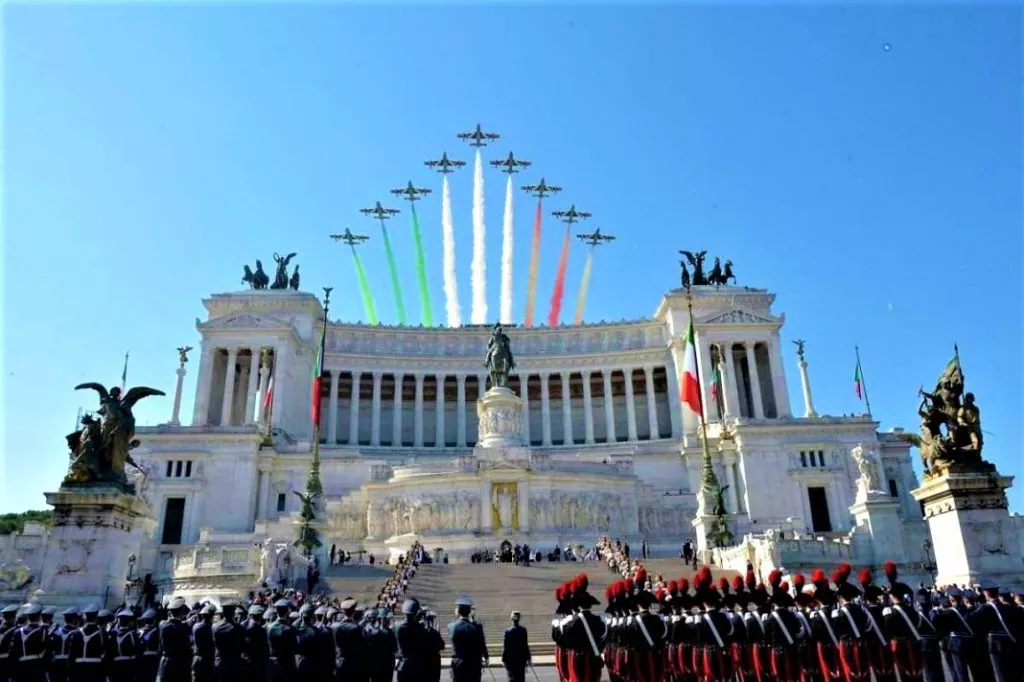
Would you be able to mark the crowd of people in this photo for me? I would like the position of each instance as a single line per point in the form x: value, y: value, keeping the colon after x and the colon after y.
x: 819, y: 629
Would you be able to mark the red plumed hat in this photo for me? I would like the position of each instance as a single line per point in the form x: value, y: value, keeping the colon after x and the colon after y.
x: 890, y: 570
x: 838, y: 577
x: 609, y: 592
x: 659, y: 595
x: 751, y: 580
x: 784, y: 586
x: 737, y: 583
x: 775, y: 577
x: 684, y: 585
x: 846, y: 568
x: 723, y: 584
x: 583, y: 581
x: 798, y: 581
x: 865, y: 576
x: 641, y: 575
x: 673, y: 587
x: 818, y: 576
x: 629, y: 584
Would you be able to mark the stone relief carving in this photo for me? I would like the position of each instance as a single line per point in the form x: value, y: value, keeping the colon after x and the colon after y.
x: 656, y: 520
x: 738, y: 317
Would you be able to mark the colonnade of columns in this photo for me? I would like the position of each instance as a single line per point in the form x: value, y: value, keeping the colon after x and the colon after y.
x: 232, y: 382
x: 750, y: 380
x: 449, y: 399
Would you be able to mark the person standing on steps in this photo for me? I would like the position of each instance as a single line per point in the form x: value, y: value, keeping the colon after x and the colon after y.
x: 515, y: 651
x: 469, y: 648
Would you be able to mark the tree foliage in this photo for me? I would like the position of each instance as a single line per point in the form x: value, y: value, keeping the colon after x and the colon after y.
x: 15, y: 523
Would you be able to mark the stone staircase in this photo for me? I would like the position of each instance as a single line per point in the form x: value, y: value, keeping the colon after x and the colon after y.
x: 497, y: 589
x: 362, y: 582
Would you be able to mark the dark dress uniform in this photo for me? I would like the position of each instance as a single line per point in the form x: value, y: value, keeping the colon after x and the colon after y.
x: 957, y: 643
x: 585, y: 638
x: 782, y: 631
x: 124, y: 650
x: 382, y: 647
x: 58, y: 647
x: 88, y: 650
x: 228, y: 647
x: 646, y: 635
x: 256, y: 649
x: 351, y: 650
x: 468, y: 650
x: 413, y: 659
x: 914, y: 644
x: 203, y: 651
x: 28, y: 650
x: 149, y: 639
x: 1000, y: 626
x: 175, y: 652
x: 308, y: 648
x: 281, y: 640
x: 7, y: 630
x: 515, y: 652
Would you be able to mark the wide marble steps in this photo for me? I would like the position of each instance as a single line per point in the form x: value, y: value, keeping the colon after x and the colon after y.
x: 497, y: 589
x: 361, y: 582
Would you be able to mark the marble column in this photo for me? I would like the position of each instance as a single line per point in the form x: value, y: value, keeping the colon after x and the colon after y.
x: 332, y: 409
x: 264, y: 387
x: 778, y: 377
x: 566, y: 409
x: 725, y: 373
x: 730, y: 479
x: 256, y: 498
x: 805, y: 383
x: 588, y: 410
x: 201, y: 409
x: 609, y: 407
x: 353, y: 410
x: 630, y: 406
x: 261, y: 510
x: 675, y: 404
x: 417, y: 420
x: 755, y: 383
x: 396, y: 412
x: 524, y: 399
x: 439, y: 411
x: 652, y: 406
x: 704, y: 368
x: 461, y: 410
x: 731, y: 383
x: 176, y: 409
x: 545, y: 409
x: 378, y: 380
x: 229, y: 387
x: 250, y: 393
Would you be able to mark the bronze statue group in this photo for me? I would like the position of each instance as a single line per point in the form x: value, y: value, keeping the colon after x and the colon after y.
x: 813, y: 630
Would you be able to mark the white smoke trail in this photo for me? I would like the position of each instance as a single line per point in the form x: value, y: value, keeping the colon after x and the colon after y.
x: 478, y: 268
x: 507, y: 245
x: 451, y: 286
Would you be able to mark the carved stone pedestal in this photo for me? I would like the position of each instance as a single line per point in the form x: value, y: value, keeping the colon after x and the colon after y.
x: 878, y: 516
x: 972, y: 533
x: 95, y: 531
x: 500, y: 416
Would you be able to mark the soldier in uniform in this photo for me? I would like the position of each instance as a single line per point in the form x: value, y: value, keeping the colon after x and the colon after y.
x: 382, y: 647
x: 58, y: 645
x: 308, y: 646
x: 807, y: 645
x: 281, y: 640
x: 435, y: 645
x: 7, y: 630
x: 321, y: 620
x: 562, y: 610
x: 999, y: 625
x: 123, y: 648
x: 28, y: 648
x: 957, y: 643
x: 351, y: 649
x: 586, y: 633
x: 411, y: 642
x: 202, y: 642
x: 469, y: 648
x: 782, y: 633
x: 515, y: 650
x: 713, y: 632
x: 149, y: 638
x: 228, y: 645
x: 256, y: 646
x: 647, y: 637
x: 175, y: 645
x: 87, y: 648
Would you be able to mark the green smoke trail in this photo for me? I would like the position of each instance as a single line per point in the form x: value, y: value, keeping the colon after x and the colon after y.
x: 364, y: 289
x: 421, y: 270
x: 396, y: 285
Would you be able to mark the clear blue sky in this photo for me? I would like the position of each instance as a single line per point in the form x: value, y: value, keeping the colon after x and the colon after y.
x: 862, y: 162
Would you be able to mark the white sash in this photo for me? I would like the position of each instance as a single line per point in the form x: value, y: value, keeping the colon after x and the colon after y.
x: 874, y: 626
x: 590, y: 635
x: 963, y: 620
x: 853, y: 624
x: 828, y: 626
x: 906, y: 619
x: 806, y: 623
x: 714, y: 631
x: 785, y: 630
x: 1002, y: 622
x: 643, y: 629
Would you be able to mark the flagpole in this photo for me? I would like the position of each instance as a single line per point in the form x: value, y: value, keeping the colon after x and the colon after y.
x: 708, y: 480
x: 863, y: 381
x: 124, y: 373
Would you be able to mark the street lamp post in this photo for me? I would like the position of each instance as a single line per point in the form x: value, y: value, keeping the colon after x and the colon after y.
x: 929, y: 565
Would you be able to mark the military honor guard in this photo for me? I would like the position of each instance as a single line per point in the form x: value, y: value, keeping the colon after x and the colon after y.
x: 515, y: 650
x: 351, y: 650
x: 469, y: 648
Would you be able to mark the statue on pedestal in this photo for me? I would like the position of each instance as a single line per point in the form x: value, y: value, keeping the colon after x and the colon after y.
x: 281, y: 279
x: 870, y: 468
x: 99, y: 450
x: 499, y: 361
x: 951, y: 435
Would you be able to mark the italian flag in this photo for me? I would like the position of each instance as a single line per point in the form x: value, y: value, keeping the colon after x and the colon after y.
x: 858, y: 382
x: 268, y: 394
x: 318, y: 371
x: 689, y: 386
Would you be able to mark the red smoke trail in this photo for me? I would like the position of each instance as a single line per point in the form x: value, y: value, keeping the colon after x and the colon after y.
x: 531, y: 282
x: 559, y: 292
